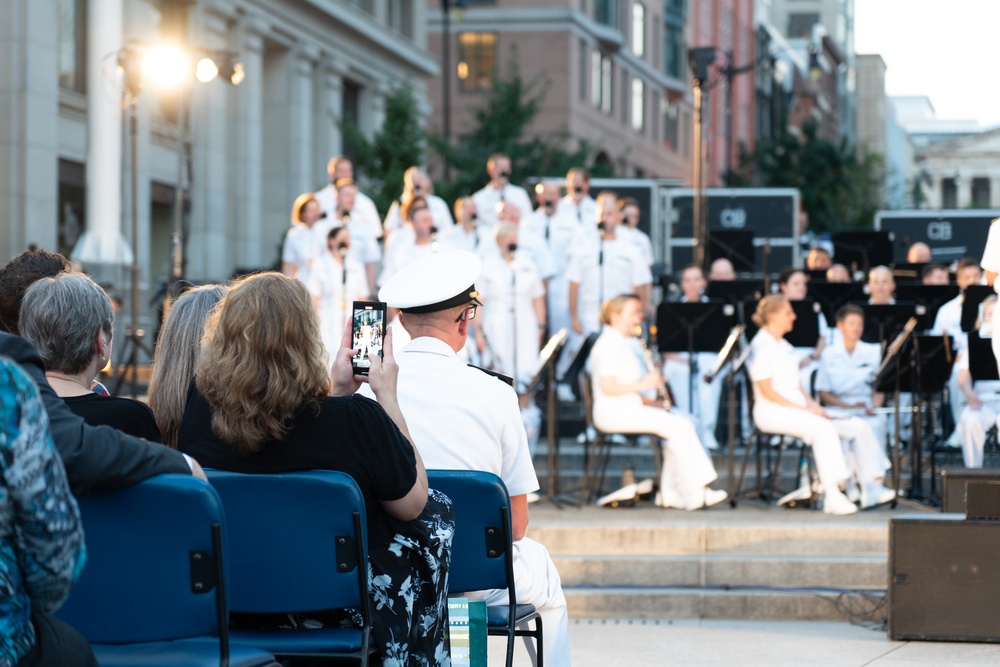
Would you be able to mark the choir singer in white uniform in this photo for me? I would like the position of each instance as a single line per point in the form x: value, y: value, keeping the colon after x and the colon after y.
x: 463, y: 419
x: 783, y: 407
x: 335, y: 282
x: 620, y: 381
x: 991, y: 267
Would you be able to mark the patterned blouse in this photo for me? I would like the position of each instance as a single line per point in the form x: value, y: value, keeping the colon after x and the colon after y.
x: 41, y: 536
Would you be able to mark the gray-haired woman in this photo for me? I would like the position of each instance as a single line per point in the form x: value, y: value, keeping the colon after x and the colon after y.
x: 70, y: 321
x: 176, y: 356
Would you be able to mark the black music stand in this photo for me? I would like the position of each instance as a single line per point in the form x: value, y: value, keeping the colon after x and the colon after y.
x: 546, y: 372
x: 923, y: 367
x: 883, y: 322
x: 832, y: 296
x: 691, y: 328
x: 730, y: 354
x: 736, y: 245
x: 982, y: 362
x: 819, y: 275
x: 972, y: 297
x: 929, y: 299
x: 908, y: 271
x: 862, y: 249
x: 805, y: 330
x: 572, y: 374
x: 735, y: 291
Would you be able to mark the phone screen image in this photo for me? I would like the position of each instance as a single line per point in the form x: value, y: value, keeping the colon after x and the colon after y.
x: 367, y: 333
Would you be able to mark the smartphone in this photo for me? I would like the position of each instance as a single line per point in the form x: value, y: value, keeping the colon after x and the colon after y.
x: 367, y: 333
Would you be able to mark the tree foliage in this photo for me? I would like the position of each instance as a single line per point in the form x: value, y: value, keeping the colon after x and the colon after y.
x: 501, y: 125
x: 394, y: 148
x: 841, y: 185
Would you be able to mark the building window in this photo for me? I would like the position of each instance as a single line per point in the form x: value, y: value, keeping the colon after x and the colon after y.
x: 607, y: 12
x: 980, y: 193
x: 674, y: 16
x: 477, y: 60
x: 350, y: 113
x: 671, y: 128
x: 600, y: 74
x: 72, y: 205
x: 72, y: 45
x: 949, y: 193
x: 639, y: 29
x: 582, y: 65
x: 801, y: 25
x: 638, y: 105
x: 401, y: 17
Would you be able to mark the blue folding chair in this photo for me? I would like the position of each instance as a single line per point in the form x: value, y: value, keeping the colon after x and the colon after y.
x: 297, y: 543
x: 481, y: 553
x: 153, y: 591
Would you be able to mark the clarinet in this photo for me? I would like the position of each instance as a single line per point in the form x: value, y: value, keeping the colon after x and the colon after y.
x: 663, y: 391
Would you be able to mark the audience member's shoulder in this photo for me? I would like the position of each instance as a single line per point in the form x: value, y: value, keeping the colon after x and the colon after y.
x: 15, y: 347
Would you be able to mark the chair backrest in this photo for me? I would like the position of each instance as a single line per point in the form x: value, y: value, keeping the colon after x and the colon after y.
x: 296, y: 541
x: 480, y: 551
x: 152, y: 563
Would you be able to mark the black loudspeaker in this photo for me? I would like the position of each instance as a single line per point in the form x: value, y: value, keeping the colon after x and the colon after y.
x: 944, y: 578
x: 954, y: 481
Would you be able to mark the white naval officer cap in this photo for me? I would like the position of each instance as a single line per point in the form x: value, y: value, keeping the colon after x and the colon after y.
x: 442, y: 280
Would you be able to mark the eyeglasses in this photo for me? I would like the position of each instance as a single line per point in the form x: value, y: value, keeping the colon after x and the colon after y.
x: 468, y: 314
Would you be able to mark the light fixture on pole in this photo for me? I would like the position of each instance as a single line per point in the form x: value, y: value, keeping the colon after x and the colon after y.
x: 446, y: 74
x: 165, y: 67
x: 700, y: 59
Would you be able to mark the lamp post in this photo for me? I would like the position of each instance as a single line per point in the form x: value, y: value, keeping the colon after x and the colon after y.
x: 446, y: 6
x: 167, y: 67
x: 700, y: 59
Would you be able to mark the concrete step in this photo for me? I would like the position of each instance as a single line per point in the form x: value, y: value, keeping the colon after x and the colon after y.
x: 855, y: 572
x: 749, y: 604
x: 684, y: 538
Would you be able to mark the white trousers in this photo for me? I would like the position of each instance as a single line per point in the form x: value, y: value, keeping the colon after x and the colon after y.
x: 705, y: 406
x: 537, y: 582
x: 972, y: 428
x: 687, y: 469
x: 830, y: 439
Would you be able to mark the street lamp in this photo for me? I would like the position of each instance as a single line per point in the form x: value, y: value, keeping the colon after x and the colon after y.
x: 700, y: 59
x: 164, y: 67
x: 446, y: 6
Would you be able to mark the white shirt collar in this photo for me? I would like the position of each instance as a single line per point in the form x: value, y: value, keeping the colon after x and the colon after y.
x: 430, y: 345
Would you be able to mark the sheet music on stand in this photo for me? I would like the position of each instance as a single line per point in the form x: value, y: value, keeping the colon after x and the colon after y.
x: 727, y: 351
x: 549, y: 352
x: 891, y: 353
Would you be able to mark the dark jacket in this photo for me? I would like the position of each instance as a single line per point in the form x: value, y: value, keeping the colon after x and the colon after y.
x: 95, y: 457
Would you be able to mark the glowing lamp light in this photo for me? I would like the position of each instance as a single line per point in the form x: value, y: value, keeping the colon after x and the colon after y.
x: 206, y: 70
x: 166, y: 66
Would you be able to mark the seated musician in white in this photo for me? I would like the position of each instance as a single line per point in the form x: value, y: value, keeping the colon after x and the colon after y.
x: 846, y: 368
x: 783, y: 407
x: 620, y: 380
x: 978, y: 417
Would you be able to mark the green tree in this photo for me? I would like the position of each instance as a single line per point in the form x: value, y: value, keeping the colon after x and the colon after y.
x: 841, y: 185
x: 394, y: 148
x: 501, y: 125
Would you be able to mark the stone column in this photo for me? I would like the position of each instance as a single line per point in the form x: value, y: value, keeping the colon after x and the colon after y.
x: 102, y: 241
x: 963, y: 191
x: 208, y: 249
x: 303, y: 178
x: 246, y: 225
x: 29, y: 104
x: 329, y: 102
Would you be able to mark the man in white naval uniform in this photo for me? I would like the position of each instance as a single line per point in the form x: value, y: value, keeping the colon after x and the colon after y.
x: 578, y: 204
x: 499, y: 190
x: 463, y: 419
x: 557, y: 228
x: 603, y: 265
x: 339, y: 167
x: 949, y: 320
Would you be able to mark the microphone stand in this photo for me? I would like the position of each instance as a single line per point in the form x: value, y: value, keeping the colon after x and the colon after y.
x: 512, y: 249
x: 342, y: 249
x: 602, y: 230
x: 434, y: 239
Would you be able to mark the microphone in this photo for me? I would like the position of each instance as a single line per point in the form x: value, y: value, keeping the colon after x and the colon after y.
x: 322, y: 215
x: 434, y: 233
x: 601, y: 229
x: 474, y: 216
x: 343, y: 248
x: 578, y: 190
x: 512, y: 248
x: 346, y: 217
x: 549, y: 208
x: 416, y: 189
